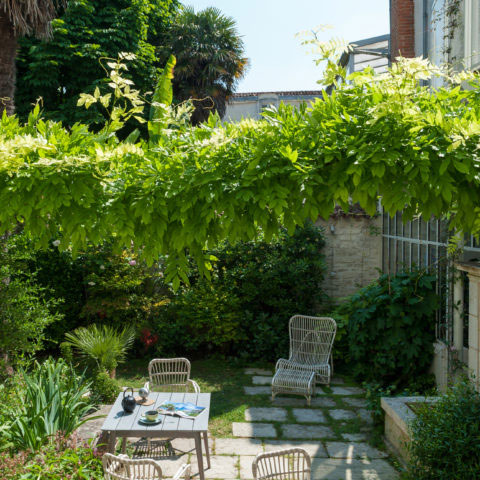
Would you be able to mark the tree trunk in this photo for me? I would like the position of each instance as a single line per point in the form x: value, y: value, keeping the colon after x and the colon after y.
x: 8, y: 53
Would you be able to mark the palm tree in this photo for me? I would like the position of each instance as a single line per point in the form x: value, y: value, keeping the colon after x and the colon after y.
x: 19, y: 18
x: 210, y: 59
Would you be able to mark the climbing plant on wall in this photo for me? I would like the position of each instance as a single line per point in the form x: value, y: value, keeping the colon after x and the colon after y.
x: 188, y: 188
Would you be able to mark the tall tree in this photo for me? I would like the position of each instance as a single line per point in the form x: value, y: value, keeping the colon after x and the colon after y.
x: 210, y: 59
x: 19, y: 18
x: 84, y: 34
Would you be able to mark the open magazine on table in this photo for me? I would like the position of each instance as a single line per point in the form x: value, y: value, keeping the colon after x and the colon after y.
x: 181, y: 409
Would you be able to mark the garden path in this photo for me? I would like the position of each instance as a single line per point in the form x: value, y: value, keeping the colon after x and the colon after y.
x: 334, y: 431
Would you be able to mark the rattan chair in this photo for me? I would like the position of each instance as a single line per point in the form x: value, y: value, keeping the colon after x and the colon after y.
x: 123, y: 468
x: 289, y: 464
x: 311, y: 342
x: 171, y: 375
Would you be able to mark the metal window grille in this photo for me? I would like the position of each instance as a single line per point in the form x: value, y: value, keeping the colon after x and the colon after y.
x: 423, y: 243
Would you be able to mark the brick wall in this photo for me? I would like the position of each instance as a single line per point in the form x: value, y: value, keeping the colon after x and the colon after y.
x: 402, y: 28
x: 353, y: 253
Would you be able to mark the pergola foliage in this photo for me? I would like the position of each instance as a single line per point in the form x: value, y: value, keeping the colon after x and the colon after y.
x: 380, y: 136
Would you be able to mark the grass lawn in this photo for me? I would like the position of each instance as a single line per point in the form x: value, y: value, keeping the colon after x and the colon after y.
x: 225, y: 380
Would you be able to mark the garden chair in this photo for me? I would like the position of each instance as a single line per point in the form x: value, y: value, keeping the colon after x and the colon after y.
x: 171, y: 375
x: 289, y: 464
x: 123, y: 468
x: 311, y: 342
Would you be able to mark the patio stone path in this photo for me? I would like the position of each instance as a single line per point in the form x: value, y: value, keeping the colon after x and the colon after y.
x: 347, y: 390
x: 306, y: 415
x: 353, y: 450
x: 306, y: 431
x: 334, y: 431
x: 355, y: 402
x: 342, y: 414
x: 253, y: 430
x: 261, y: 380
x: 257, y: 390
x: 268, y: 414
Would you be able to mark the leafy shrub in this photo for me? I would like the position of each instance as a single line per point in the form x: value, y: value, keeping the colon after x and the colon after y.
x: 50, y: 399
x: 104, y: 388
x: 255, y: 288
x: 392, y: 328
x: 25, y: 311
x: 103, y: 347
x: 204, y: 318
x: 446, y: 437
x: 59, y: 460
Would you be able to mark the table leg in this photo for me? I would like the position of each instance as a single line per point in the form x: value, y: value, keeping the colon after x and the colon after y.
x: 112, y: 442
x: 124, y: 444
x: 198, y: 448
x: 205, y: 439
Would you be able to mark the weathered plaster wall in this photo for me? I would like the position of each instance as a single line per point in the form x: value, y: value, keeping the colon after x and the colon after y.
x: 353, y: 253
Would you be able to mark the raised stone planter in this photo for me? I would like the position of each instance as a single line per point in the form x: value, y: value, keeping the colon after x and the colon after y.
x: 398, y: 417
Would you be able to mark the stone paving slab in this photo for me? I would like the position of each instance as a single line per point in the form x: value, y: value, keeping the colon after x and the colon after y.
x: 92, y: 427
x: 252, y: 430
x: 355, y: 402
x: 170, y: 465
x: 307, y: 415
x: 365, y: 415
x: 314, y: 449
x: 257, y: 390
x: 354, y: 437
x: 339, y: 414
x: 339, y: 469
x: 266, y: 414
x: 257, y: 371
x: 347, y: 390
x: 337, y: 381
x: 261, y: 380
x: 238, y: 446
x: 246, y: 467
x: 306, y: 431
x: 323, y: 402
x: 351, y: 450
x: 222, y: 466
x: 302, y: 402
x: 186, y: 444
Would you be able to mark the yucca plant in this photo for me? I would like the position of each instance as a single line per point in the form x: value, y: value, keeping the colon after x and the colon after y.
x: 103, y: 347
x: 51, y: 398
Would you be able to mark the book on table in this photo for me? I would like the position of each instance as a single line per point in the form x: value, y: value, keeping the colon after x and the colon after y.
x: 181, y: 409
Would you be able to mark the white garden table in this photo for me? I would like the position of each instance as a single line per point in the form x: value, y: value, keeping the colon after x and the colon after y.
x: 121, y: 424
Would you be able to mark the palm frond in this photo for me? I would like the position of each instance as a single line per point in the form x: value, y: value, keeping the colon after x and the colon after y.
x: 31, y: 16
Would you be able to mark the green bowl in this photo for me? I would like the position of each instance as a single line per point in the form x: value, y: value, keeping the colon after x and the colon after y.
x: 151, y: 415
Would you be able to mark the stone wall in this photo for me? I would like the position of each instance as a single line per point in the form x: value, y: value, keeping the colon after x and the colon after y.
x: 353, y: 253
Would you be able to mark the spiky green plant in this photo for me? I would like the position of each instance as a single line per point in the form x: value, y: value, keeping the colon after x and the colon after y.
x: 51, y: 398
x: 101, y: 345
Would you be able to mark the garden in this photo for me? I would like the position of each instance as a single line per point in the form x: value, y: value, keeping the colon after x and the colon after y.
x: 136, y: 225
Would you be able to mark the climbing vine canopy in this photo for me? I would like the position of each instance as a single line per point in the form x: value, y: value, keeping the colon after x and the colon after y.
x: 188, y: 188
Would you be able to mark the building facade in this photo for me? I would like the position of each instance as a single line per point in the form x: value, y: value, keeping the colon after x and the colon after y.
x: 251, y: 105
x: 444, y: 31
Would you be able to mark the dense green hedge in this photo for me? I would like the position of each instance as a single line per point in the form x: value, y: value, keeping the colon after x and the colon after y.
x: 255, y: 288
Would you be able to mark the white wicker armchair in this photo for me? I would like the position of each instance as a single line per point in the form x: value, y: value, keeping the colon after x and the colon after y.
x: 171, y: 374
x: 289, y: 464
x: 123, y: 468
x: 311, y: 341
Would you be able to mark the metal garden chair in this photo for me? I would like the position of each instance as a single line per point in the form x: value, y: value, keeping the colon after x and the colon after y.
x: 123, y: 468
x: 311, y: 342
x: 289, y: 464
